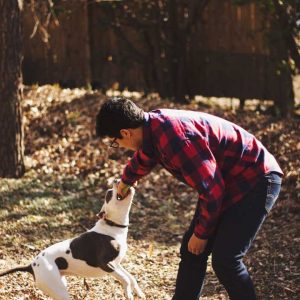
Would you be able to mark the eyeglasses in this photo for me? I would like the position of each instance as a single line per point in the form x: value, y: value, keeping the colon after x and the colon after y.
x: 114, y: 143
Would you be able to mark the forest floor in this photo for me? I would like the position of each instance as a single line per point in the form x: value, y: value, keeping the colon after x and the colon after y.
x: 68, y: 172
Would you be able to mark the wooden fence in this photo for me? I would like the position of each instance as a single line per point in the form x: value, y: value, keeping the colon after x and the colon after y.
x: 227, y: 53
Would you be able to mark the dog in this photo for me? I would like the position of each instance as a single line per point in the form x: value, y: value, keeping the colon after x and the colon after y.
x: 97, y: 252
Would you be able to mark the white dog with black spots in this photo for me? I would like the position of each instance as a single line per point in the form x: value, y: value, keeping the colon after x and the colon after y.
x: 97, y: 252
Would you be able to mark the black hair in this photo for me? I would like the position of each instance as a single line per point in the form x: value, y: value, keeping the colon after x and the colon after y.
x: 115, y: 114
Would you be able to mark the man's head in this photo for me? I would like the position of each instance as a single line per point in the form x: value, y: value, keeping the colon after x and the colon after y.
x: 120, y: 119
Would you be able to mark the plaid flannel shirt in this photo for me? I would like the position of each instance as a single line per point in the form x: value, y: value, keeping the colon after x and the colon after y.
x: 219, y: 159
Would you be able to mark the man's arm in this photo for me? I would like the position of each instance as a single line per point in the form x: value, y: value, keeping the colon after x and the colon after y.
x: 138, y: 166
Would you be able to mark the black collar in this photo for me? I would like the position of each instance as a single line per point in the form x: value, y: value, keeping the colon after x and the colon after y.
x: 111, y: 223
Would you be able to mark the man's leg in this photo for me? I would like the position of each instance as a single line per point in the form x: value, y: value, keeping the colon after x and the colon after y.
x: 237, y: 229
x: 192, y: 269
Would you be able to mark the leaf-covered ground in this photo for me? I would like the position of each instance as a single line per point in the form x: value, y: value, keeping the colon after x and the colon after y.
x: 69, y: 171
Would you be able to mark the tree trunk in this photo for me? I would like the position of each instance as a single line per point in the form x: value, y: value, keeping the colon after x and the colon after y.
x: 179, y: 32
x: 11, y: 130
x: 290, y: 40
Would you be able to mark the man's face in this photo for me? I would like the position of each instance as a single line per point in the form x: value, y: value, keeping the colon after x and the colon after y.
x: 126, y: 143
x: 131, y: 139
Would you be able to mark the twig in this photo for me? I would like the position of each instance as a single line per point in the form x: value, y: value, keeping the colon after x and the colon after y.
x: 86, y: 284
x: 285, y: 288
x: 35, y: 29
x: 87, y: 288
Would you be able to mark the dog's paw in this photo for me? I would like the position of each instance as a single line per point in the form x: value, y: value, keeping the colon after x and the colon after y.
x: 142, y: 296
x: 129, y: 297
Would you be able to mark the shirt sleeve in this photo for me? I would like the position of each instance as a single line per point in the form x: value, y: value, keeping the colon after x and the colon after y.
x: 200, y: 171
x: 138, y: 166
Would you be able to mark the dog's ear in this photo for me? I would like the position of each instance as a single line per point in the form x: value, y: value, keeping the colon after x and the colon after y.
x: 108, y: 196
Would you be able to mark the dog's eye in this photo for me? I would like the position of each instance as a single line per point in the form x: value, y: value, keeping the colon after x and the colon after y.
x: 108, y: 196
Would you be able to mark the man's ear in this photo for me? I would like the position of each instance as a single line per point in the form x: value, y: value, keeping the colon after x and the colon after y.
x: 125, y: 133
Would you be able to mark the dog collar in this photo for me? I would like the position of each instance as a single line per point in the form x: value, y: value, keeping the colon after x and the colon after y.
x: 112, y: 223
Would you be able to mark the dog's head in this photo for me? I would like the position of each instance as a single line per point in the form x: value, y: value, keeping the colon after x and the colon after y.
x: 114, y: 209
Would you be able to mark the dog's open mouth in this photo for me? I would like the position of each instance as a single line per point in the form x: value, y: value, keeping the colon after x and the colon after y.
x: 101, y: 214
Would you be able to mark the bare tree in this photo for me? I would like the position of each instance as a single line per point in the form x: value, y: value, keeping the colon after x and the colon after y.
x: 11, y: 131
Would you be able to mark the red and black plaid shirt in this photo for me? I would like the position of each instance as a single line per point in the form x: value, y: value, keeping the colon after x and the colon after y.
x: 219, y: 159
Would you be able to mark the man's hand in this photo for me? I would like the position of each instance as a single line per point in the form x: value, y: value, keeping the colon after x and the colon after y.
x: 122, y: 190
x: 196, y: 245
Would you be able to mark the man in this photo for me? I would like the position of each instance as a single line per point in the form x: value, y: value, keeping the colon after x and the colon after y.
x: 237, y: 180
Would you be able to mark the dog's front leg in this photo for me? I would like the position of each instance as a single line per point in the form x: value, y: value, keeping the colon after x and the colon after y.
x: 134, y: 284
x: 120, y: 275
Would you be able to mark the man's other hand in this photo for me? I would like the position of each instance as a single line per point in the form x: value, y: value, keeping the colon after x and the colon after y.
x: 196, y: 245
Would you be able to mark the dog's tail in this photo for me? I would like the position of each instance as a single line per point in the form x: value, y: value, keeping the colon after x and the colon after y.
x: 18, y: 269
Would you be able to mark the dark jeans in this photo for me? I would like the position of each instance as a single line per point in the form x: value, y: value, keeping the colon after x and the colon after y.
x: 237, y: 229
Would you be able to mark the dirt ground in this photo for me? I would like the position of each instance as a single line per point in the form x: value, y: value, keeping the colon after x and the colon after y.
x: 68, y: 172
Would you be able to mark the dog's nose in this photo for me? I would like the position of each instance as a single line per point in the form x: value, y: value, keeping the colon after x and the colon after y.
x: 119, y: 197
